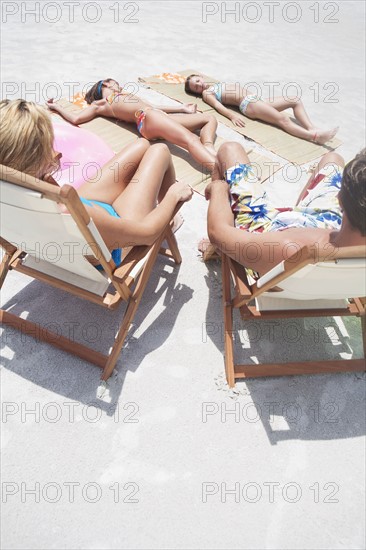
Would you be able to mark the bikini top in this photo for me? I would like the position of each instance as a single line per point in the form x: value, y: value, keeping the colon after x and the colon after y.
x: 217, y: 90
x: 110, y: 99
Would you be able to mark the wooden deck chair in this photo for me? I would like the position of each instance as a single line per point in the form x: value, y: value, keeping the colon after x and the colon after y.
x: 301, y: 286
x: 54, y: 248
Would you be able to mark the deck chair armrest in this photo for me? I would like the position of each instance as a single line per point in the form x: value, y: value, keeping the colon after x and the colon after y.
x: 272, y: 274
x: 283, y: 270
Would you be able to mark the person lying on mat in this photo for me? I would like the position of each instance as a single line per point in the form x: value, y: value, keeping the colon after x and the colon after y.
x: 330, y: 212
x: 106, y: 98
x: 220, y: 94
x: 133, y: 200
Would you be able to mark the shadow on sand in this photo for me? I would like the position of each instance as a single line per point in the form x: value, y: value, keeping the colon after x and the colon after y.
x: 316, y: 407
x: 93, y: 326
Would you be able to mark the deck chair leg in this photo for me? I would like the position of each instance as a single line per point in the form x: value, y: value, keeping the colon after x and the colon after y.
x: 4, y: 268
x: 228, y: 323
x: 173, y: 245
x: 210, y: 253
x: 133, y: 304
x: 120, y: 338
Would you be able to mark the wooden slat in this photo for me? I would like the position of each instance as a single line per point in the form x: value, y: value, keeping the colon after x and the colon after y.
x: 132, y: 307
x: 40, y: 333
x: 303, y: 367
x: 294, y: 263
x: 242, y: 287
x: 228, y: 322
x: 252, y: 313
x: 136, y: 254
x: 11, y: 175
x: 17, y: 265
x: 172, y: 242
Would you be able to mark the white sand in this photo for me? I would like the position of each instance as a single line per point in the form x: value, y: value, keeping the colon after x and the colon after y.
x: 309, y: 431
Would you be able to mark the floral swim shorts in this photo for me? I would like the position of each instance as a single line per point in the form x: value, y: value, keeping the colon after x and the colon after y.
x: 319, y: 208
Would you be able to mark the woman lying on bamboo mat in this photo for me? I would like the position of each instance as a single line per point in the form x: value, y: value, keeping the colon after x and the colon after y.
x: 106, y: 98
x: 330, y: 212
x: 220, y: 94
x: 123, y: 202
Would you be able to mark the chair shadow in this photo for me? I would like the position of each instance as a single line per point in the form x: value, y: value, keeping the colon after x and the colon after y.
x: 93, y: 326
x: 304, y: 407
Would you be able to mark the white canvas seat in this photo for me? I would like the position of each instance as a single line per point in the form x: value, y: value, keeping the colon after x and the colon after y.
x: 316, y: 286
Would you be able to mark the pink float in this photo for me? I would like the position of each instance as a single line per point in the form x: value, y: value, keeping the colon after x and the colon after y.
x: 83, y: 154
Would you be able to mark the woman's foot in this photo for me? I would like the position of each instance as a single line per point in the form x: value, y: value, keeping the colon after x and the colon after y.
x: 322, y: 136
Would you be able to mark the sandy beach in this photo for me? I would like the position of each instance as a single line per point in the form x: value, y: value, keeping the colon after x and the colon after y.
x: 169, y: 457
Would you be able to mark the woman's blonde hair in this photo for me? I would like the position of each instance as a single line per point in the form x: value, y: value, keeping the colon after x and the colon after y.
x: 26, y: 137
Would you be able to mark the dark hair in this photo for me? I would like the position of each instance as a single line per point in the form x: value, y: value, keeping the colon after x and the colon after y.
x: 353, y: 192
x: 187, y: 89
x: 95, y: 91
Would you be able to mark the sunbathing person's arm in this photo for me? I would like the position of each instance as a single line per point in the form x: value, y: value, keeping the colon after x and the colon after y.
x: 94, y: 110
x: 257, y: 251
x: 187, y: 108
x: 210, y: 99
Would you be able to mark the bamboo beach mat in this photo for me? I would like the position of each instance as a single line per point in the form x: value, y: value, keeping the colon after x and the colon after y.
x: 118, y: 134
x: 291, y: 148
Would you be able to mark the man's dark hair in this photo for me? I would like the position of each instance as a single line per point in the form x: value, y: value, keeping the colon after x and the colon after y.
x: 353, y: 192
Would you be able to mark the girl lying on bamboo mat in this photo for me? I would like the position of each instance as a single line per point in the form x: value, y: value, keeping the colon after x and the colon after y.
x: 220, y: 94
x: 330, y: 212
x: 123, y: 202
x: 107, y: 98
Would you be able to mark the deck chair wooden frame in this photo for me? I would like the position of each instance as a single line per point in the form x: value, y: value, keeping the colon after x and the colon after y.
x: 128, y: 280
x: 242, y: 296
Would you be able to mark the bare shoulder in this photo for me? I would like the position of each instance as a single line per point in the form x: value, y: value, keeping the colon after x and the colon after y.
x: 208, y: 92
x: 101, y: 106
x: 100, y: 102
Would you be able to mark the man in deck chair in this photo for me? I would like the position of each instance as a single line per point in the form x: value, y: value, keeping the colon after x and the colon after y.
x: 330, y: 212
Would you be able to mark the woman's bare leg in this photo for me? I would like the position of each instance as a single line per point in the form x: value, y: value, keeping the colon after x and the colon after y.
x: 207, y: 124
x: 329, y: 158
x: 116, y: 174
x: 151, y: 181
x: 281, y: 104
x: 264, y: 111
x: 158, y: 125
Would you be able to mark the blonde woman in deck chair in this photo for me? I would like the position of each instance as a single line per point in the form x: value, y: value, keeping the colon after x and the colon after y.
x: 220, y: 94
x: 174, y: 124
x: 123, y: 202
x: 330, y: 213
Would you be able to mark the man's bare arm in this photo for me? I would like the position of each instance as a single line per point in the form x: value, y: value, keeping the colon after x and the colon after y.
x: 257, y: 251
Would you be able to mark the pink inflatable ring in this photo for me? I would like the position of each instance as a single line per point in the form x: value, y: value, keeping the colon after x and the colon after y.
x: 83, y: 154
